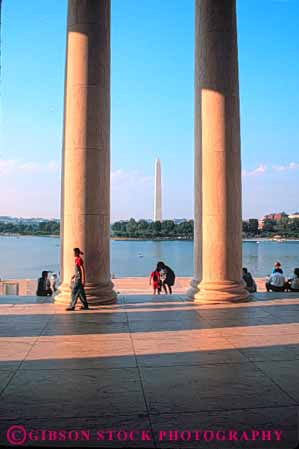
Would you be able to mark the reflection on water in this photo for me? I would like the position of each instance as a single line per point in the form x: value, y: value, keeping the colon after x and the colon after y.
x: 25, y: 257
x: 157, y: 251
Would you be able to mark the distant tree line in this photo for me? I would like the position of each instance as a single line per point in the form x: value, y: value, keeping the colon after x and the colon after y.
x: 153, y: 230
x: 122, y: 229
x: 285, y: 227
x: 166, y: 229
x: 43, y: 228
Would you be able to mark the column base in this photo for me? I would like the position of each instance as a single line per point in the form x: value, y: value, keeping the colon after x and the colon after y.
x: 220, y: 292
x: 97, y: 294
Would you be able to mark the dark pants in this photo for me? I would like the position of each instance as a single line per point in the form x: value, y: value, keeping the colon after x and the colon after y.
x: 44, y: 292
x: 159, y: 287
x: 251, y: 289
x: 273, y: 288
x: 78, y: 292
x: 165, y: 285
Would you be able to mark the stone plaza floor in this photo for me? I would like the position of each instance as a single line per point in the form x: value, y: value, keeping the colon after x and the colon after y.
x: 149, y: 363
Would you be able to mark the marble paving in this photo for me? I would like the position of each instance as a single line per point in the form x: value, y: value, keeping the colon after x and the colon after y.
x: 156, y: 364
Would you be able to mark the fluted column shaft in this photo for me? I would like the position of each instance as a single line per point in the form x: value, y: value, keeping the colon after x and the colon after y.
x: 217, y: 153
x: 86, y: 159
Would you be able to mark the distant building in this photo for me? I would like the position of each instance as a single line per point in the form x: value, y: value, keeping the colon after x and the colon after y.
x: 275, y: 216
x: 294, y: 216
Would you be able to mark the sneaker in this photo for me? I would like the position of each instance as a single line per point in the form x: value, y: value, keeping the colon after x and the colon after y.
x: 84, y: 308
x: 70, y: 308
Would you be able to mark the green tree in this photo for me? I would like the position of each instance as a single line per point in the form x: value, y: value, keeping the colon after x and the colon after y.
x: 269, y: 225
x: 253, y: 225
x: 116, y: 227
x: 167, y: 227
x: 132, y: 228
x: 245, y: 226
x: 283, y: 224
x: 294, y: 226
x: 142, y: 225
x: 157, y: 226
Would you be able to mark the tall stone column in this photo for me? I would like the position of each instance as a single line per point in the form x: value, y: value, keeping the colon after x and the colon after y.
x: 217, y: 146
x: 85, y: 215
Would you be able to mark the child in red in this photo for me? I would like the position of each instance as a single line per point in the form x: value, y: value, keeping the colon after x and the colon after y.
x: 155, y: 281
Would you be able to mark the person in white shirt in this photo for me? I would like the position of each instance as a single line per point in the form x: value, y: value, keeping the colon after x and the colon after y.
x: 276, y: 281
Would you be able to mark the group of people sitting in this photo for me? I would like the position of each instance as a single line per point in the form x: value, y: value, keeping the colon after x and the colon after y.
x: 162, y: 277
x: 276, y: 282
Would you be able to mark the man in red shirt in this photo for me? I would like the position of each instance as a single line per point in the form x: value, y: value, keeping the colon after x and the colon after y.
x: 78, y: 281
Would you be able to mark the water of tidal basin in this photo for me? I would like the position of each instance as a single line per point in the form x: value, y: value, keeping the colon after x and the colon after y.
x: 25, y: 257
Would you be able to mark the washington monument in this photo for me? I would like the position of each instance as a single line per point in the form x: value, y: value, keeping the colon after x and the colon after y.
x: 158, y: 192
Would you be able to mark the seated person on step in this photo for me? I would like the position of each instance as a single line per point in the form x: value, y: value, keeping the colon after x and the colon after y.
x: 249, y: 281
x: 44, y: 285
x: 276, y: 281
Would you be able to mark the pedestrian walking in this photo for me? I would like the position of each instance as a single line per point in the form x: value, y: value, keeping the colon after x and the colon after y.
x: 78, y: 282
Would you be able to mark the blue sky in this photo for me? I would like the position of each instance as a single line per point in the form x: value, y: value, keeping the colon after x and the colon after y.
x: 152, y: 105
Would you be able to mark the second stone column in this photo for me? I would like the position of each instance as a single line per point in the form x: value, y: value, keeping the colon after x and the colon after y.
x: 218, y: 153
